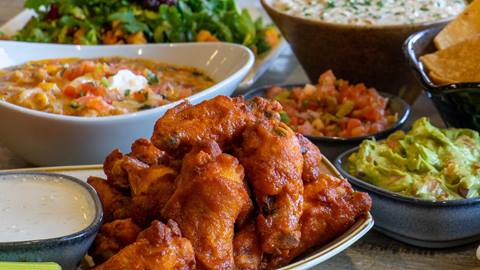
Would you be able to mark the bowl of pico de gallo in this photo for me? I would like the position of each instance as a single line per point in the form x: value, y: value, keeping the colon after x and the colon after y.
x: 335, y: 114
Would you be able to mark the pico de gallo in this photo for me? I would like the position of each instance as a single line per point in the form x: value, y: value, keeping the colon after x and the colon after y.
x: 333, y: 108
x: 98, y: 87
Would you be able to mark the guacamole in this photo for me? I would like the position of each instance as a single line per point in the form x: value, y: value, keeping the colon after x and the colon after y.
x: 427, y: 162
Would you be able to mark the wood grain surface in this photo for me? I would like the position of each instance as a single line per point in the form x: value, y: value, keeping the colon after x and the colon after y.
x: 374, y: 251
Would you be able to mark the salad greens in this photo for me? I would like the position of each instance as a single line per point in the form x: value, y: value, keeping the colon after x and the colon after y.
x: 131, y: 21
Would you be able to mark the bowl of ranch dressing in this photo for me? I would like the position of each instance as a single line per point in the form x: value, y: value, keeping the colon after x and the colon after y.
x: 47, y: 217
x: 359, y: 39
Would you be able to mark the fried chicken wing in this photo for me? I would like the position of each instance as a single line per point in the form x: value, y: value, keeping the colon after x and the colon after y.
x: 221, y: 119
x: 143, y: 154
x: 246, y: 248
x: 151, y: 189
x: 116, y: 205
x: 331, y: 207
x: 116, y: 175
x: 264, y: 109
x: 112, y: 237
x: 210, y: 196
x: 273, y: 163
x: 160, y: 247
x: 145, y: 151
x: 149, y: 184
x: 312, y: 159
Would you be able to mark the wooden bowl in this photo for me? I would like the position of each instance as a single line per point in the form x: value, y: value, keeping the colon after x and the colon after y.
x: 363, y: 53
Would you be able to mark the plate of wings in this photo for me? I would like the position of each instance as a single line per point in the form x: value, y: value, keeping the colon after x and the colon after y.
x: 224, y: 185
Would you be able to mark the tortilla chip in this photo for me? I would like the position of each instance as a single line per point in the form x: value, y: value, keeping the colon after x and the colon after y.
x: 465, y: 26
x: 457, y: 63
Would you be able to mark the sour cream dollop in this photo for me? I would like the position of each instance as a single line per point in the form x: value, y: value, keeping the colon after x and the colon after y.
x: 41, y: 207
x: 126, y: 80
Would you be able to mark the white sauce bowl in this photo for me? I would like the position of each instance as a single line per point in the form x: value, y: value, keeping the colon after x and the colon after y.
x: 67, y: 250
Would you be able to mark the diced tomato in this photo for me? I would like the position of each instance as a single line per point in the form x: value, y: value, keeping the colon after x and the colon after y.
x: 372, y: 114
x: 77, y: 71
x: 358, y: 131
x: 95, y: 103
x: 90, y: 88
x: 70, y: 91
x: 353, y: 123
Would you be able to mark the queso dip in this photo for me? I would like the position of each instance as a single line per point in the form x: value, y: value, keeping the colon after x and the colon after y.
x: 372, y: 12
x: 103, y: 86
x: 41, y: 207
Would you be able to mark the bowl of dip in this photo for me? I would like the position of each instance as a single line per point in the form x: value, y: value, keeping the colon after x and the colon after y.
x: 361, y: 40
x: 424, y: 184
x: 56, y: 110
x: 47, y: 217
x: 337, y: 115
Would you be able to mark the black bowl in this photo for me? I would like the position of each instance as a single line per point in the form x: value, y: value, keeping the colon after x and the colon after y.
x: 423, y: 223
x: 458, y: 104
x: 331, y: 147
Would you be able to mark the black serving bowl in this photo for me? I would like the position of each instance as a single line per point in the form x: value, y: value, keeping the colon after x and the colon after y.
x: 458, y: 104
x: 69, y: 250
x: 331, y: 147
x: 423, y: 223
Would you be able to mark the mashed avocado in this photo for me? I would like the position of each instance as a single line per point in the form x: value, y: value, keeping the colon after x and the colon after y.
x: 427, y: 162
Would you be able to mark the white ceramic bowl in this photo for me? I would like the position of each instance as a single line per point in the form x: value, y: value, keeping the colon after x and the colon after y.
x: 50, y: 139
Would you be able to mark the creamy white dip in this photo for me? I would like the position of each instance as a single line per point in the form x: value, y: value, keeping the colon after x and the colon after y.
x: 372, y: 12
x: 42, y: 207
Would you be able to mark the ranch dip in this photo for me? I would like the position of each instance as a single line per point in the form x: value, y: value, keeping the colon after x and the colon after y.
x: 40, y: 207
x: 372, y: 12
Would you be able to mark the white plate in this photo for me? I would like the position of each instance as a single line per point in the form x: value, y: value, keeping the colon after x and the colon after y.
x: 262, y: 64
x: 316, y: 257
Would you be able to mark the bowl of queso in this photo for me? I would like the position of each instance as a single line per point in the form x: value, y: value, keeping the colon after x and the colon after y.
x: 424, y: 183
x: 74, y: 104
x: 360, y: 40
x: 47, y: 218
x: 104, y: 86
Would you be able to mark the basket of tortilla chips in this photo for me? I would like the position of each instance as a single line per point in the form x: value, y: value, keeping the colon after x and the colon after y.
x: 447, y: 62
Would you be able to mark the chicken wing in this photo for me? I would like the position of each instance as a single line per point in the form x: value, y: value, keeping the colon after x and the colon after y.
x: 210, y: 196
x: 246, y: 248
x: 264, y: 109
x: 331, y: 207
x: 312, y: 159
x: 145, y: 151
x: 160, y: 247
x: 143, y: 154
x: 151, y: 188
x: 112, y: 237
x: 221, y: 119
x: 149, y: 184
x: 271, y: 155
x: 116, y: 175
x: 116, y: 205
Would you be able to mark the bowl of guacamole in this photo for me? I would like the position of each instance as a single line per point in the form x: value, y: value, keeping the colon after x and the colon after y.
x: 424, y: 183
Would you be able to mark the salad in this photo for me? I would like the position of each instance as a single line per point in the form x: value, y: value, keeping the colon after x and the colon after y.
x: 92, y: 22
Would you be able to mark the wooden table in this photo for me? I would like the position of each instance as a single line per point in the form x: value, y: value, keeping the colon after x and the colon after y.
x: 374, y: 251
